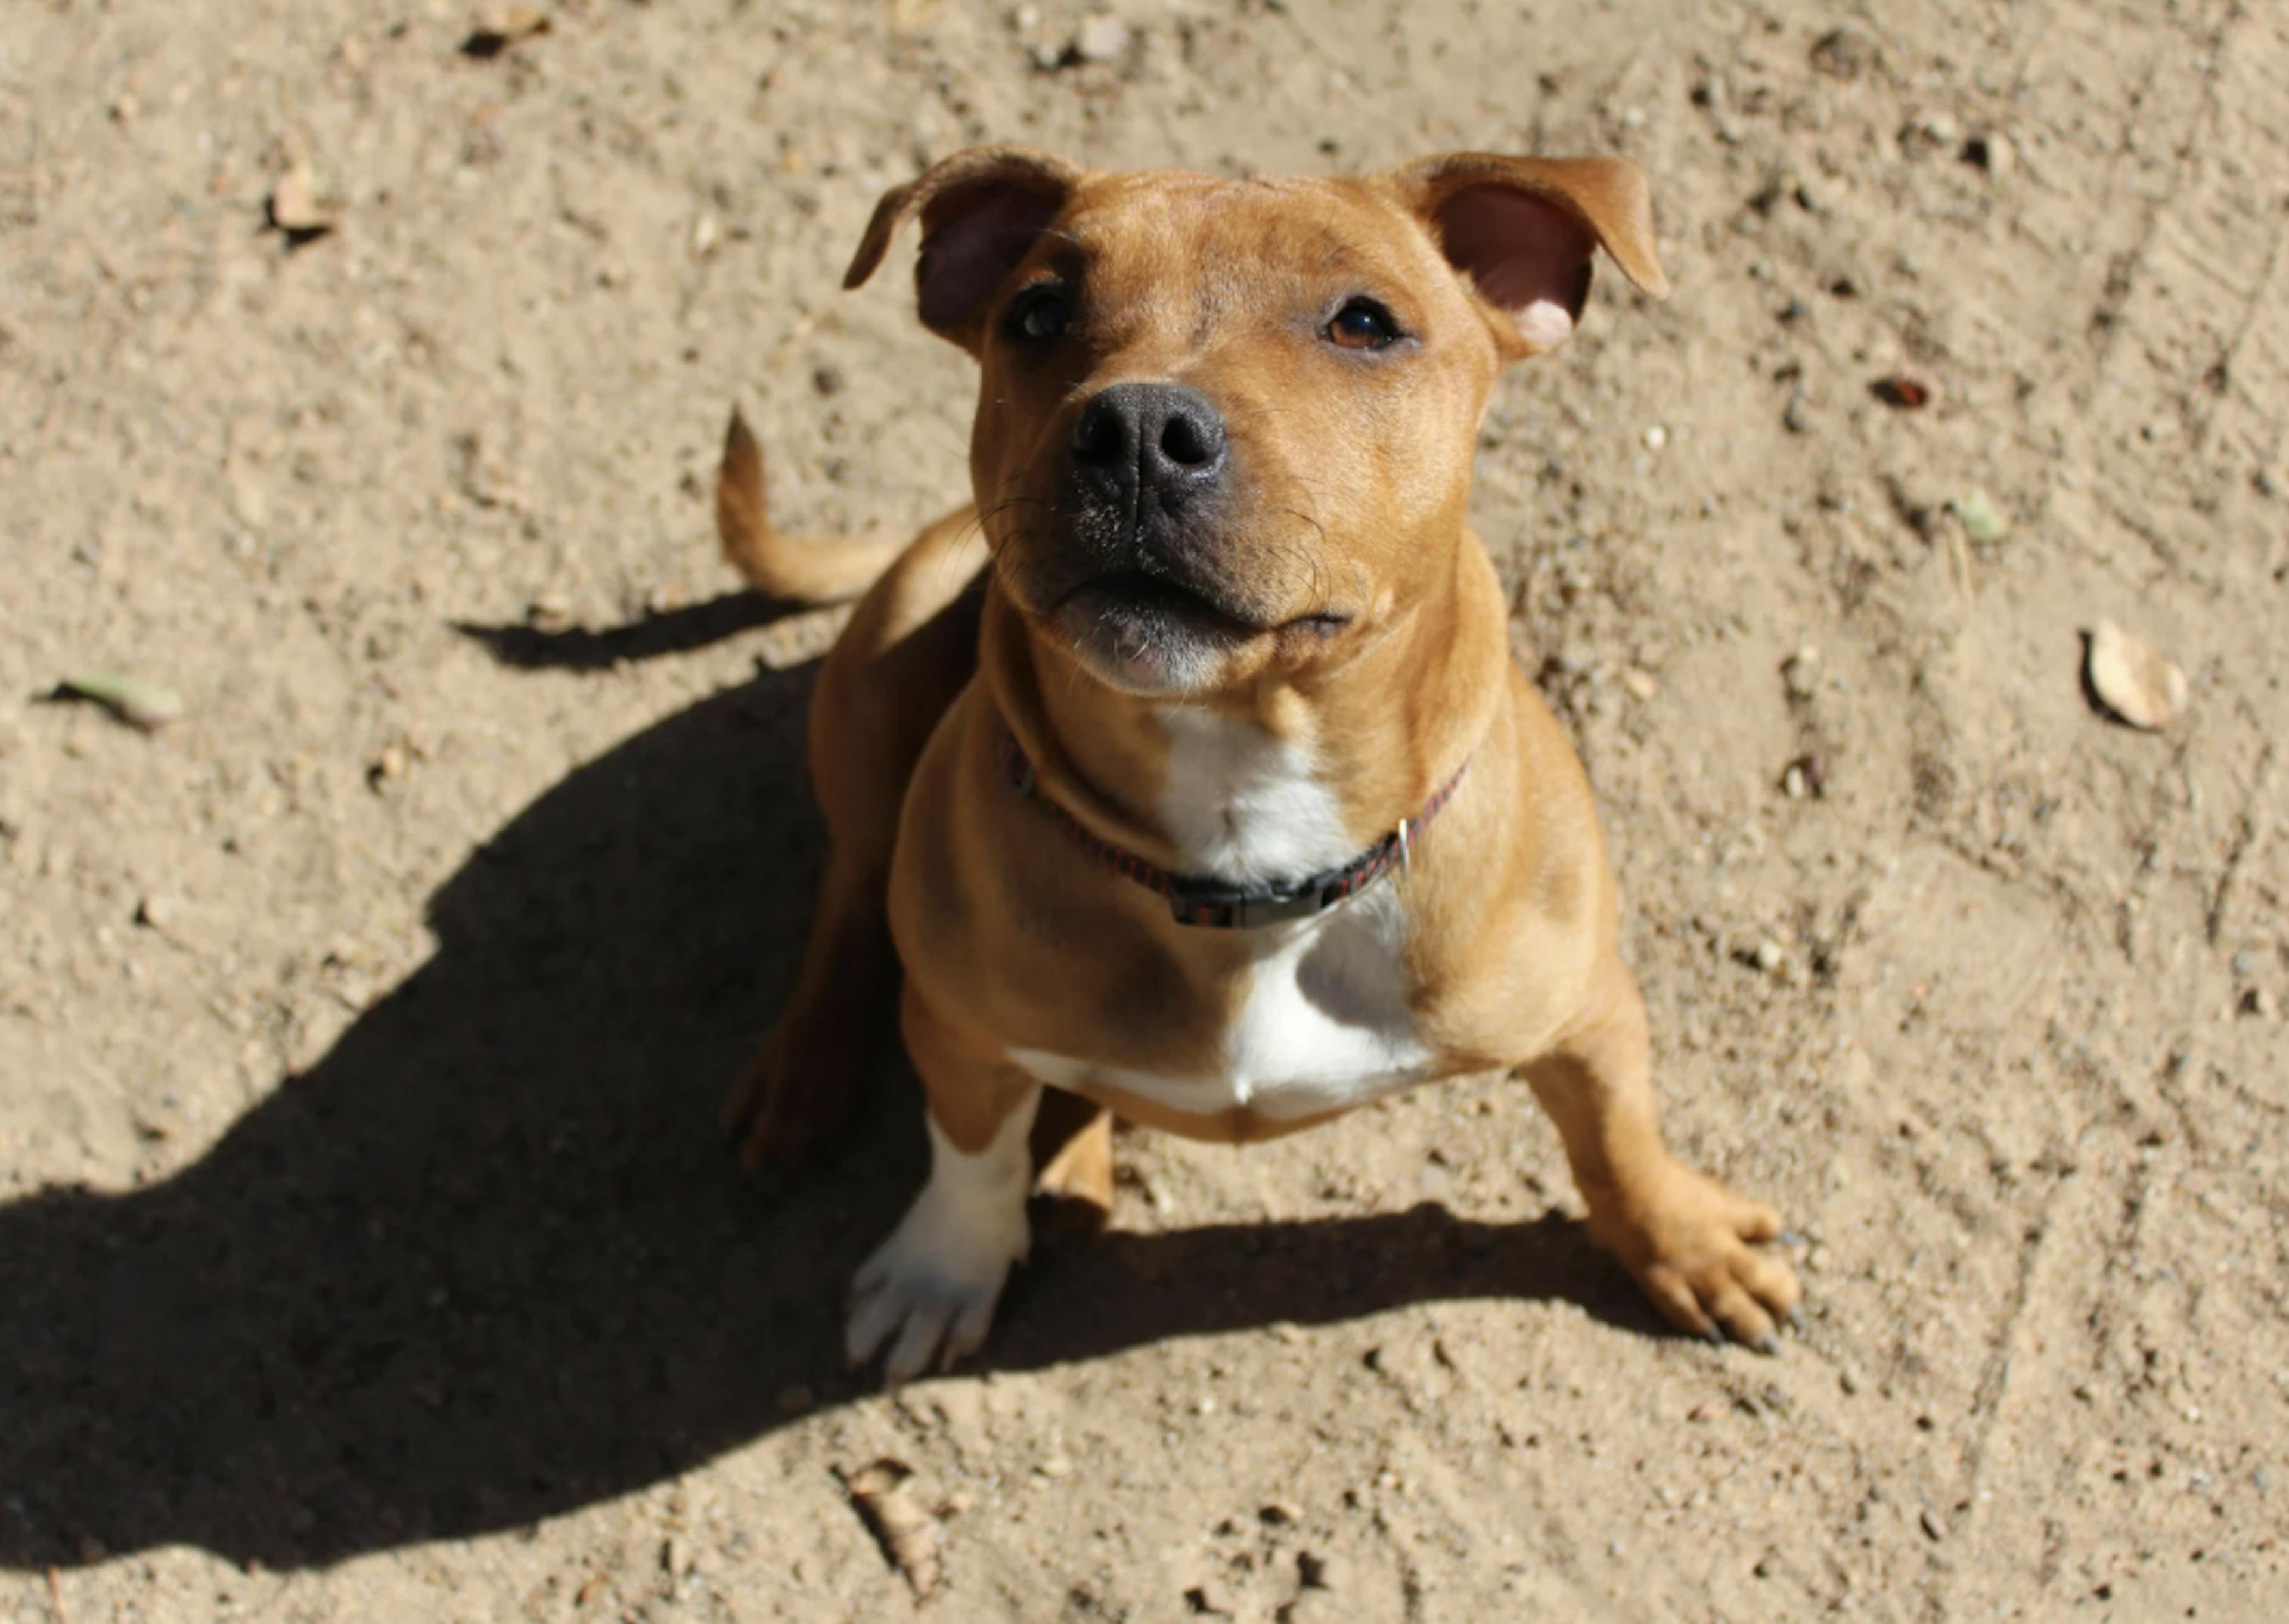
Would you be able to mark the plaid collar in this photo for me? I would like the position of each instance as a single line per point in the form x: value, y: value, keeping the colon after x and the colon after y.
x: 1203, y: 899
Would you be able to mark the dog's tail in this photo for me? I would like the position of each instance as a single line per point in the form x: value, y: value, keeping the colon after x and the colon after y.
x: 798, y: 569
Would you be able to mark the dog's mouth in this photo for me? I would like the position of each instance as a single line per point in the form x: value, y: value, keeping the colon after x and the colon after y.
x: 1159, y: 633
x: 1153, y: 605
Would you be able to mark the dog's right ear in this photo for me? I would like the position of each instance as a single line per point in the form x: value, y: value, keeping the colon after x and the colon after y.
x: 981, y: 211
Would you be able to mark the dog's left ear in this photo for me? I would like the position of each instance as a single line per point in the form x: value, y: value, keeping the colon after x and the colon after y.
x: 1523, y: 231
x: 981, y: 211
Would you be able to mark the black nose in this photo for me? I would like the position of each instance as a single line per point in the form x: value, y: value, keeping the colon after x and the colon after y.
x: 1159, y: 439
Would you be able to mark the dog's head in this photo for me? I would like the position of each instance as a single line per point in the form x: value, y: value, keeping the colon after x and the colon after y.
x: 1226, y: 426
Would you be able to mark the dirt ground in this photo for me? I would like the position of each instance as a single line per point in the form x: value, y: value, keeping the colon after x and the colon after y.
x: 367, y: 1248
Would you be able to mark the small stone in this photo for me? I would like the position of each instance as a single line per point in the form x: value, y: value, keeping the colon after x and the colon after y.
x: 1800, y: 673
x: 248, y: 504
x: 1642, y: 685
x: 1848, y: 1379
x: 301, y: 205
x: 1280, y: 1514
x: 1933, y: 1527
x: 1844, y: 53
x: 1054, y: 1468
x: 1794, y: 416
x: 155, y: 912
x: 549, y: 611
x: 675, y: 1556
x: 389, y: 765
x: 1656, y: 438
x: 1100, y: 39
x: 1792, y: 782
x: 2260, y: 1002
x: 705, y: 232
x: 1991, y: 152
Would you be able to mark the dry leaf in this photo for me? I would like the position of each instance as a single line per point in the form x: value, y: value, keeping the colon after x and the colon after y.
x: 299, y: 205
x: 2133, y: 678
x: 908, y: 1535
x: 149, y: 706
x: 497, y: 28
x: 1984, y: 523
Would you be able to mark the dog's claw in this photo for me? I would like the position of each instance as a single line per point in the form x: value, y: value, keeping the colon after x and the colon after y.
x: 1768, y: 1344
x: 1791, y: 1237
x: 1714, y: 1332
x: 1795, y: 1317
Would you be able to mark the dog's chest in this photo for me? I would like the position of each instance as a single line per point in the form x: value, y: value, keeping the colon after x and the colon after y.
x: 1321, y: 1020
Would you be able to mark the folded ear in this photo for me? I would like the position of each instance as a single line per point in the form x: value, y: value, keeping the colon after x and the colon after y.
x: 981, y: 211
x: 1523, y: 231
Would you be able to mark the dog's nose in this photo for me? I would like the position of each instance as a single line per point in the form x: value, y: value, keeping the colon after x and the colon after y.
x: 1168, y: 439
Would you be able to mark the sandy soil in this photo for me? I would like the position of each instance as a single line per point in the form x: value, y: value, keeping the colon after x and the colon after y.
x: 367, y: 1252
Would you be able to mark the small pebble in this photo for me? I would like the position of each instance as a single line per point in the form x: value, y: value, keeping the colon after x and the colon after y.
x: 1656, y: 438
x: 1769, y: 956
x: 1933, y: 1526
x: 1991, y: 152
x: 1794, y: 417
x: 1100, y: 39
x: 1849, y: 1379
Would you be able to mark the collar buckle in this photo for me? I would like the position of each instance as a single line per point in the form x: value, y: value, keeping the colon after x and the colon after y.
x: 1198, y: 900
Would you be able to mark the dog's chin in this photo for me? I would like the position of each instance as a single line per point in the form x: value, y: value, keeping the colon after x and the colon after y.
x: 1145, y: 634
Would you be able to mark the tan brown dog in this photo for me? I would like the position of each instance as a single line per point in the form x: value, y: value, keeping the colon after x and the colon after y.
x: 1188, y: 771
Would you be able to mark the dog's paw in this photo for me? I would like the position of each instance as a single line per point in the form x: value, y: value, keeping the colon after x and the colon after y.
x: 928, y: 1294
x: 794, y: 1101
x: 1691, y: 1243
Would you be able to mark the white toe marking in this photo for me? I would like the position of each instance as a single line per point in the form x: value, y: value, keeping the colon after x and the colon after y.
x: 944, y: 1265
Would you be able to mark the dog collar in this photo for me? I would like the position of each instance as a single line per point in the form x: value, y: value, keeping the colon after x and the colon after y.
x: 1203, y: 899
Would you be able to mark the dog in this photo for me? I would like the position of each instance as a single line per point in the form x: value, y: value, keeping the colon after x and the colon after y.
x: 1187, y: 770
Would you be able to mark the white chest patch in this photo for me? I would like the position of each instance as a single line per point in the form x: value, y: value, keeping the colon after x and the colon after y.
x: 1324, y: 1023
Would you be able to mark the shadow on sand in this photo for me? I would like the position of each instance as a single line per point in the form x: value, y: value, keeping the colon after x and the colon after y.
x: 488, y: 1259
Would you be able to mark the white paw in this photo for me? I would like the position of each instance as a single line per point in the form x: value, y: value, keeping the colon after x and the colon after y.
x: 928, y: 1291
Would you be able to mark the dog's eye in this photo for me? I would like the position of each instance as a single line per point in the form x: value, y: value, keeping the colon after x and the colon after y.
x: 1362, y: 325
x: 1039, y: 315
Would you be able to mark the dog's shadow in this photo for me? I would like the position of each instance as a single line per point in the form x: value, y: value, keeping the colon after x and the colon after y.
x: 489, y: 1259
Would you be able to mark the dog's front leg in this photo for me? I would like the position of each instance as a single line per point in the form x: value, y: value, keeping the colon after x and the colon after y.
x: 928, y: 1292
x: 1685, y: 1237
